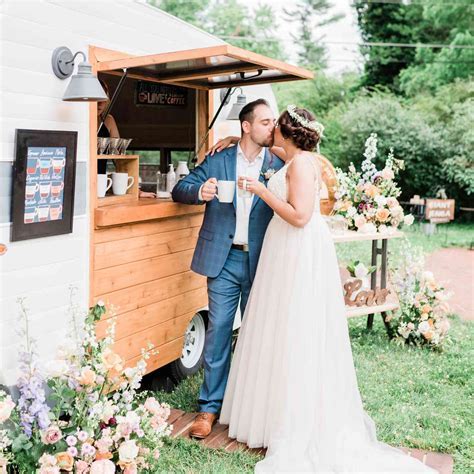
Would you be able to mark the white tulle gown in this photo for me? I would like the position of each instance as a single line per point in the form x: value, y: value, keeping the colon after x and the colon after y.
x: 292, y: 385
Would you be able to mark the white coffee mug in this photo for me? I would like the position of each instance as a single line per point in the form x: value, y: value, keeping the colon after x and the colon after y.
x: 245, y: 193
x: 225, y: 191
x: 121, y: 183
x: 103, y: 184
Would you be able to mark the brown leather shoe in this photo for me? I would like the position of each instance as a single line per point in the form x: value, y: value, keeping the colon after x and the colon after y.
x: 202, y: 426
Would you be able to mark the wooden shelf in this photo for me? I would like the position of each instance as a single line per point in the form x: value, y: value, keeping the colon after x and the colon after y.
x: 353, y: 236
x: 112, y: 200
x: 142, y: 210
x: 118, y: 157
x: 353, y: 311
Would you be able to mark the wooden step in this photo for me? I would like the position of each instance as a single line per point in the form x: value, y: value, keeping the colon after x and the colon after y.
x: 219, y: 439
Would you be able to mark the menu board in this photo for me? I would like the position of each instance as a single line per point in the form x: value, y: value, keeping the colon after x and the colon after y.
x: 44, y: 187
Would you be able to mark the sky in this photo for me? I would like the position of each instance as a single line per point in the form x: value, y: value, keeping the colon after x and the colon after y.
x: 341, y: 57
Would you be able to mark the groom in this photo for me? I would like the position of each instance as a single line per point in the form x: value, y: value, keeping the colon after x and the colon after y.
x: 229, y: 244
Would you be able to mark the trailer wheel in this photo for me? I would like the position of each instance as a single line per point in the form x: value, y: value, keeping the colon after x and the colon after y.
x: 192, y: 356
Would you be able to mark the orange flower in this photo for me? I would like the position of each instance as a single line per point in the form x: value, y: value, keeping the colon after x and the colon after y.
x: 426, y: 308
x: 107, y: 455
x: 371, y: 190
x: 65, y: 461
x: 111, y: 360
x: 382, y: 214
x: 87, y: 377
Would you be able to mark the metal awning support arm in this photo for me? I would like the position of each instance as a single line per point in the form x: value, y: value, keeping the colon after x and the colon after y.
x: 113, y: 99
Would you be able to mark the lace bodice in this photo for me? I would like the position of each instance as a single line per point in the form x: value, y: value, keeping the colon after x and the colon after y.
x: 279, y: 187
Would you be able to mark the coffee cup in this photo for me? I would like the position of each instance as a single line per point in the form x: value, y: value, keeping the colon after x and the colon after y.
x: 31, y: 190
x: 121, y: 183
x: 30, y: 214
x: 103, y: 184
x: 225, y: 191
x: 244, y: 192
x: 55, y: 212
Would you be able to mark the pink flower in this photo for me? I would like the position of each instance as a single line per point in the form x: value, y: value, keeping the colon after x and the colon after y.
x: 82, y: 436
x: 6, y: 408
x: 387, y: 173
x: 71, y: 440
x: 152, y: 405
x: 72, y: 450
x: 130, y: 469
x: 103, y: 466
x: 81, y: 467
x: 51, y: 435
x: 359, y: 221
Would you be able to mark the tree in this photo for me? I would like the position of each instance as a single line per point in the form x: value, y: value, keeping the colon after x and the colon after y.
x: 231, y: 20
x: 309, y: 15
x: 387, y: 23
x: 432, y: 68
x: 191, y: 11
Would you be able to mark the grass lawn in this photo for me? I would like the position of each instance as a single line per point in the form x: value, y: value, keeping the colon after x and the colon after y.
x: 418, y: 398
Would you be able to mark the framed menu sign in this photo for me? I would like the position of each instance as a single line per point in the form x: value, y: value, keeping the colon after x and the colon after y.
x: 43, y: 183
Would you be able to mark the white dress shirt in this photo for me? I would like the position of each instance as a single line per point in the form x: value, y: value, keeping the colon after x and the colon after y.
x: 244, y: 204
x: 244, y: 167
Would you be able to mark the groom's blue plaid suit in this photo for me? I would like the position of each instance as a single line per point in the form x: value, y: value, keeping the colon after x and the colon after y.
x: 230, y: 272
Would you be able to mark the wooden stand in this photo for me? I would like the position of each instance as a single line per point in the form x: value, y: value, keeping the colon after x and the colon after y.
x: 123, y: 164
x: 382, y: 251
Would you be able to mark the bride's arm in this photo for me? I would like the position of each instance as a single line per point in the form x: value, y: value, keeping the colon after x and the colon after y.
x: 299, y: 208
x: 226, y: 142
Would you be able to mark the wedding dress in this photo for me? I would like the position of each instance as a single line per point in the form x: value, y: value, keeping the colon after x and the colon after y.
x: 292, y: 385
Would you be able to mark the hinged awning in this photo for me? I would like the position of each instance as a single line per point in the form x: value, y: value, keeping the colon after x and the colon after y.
x: 213, y: 67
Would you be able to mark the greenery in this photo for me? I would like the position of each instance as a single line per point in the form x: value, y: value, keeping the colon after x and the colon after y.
x: 424, y: 402
x: 307, y: 17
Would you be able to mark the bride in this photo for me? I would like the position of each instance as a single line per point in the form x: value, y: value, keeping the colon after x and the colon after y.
x: 292, y: 385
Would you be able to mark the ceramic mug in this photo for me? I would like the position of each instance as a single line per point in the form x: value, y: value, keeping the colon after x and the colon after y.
x: 121, y: 183
x: 103, y: 184
x: 225, y: 191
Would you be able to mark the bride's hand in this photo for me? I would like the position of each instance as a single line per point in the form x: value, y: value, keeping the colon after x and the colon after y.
x: 253, y: 185
x: 222, y: 145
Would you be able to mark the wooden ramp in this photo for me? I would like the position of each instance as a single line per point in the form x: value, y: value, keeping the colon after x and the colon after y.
x: 219, y: 438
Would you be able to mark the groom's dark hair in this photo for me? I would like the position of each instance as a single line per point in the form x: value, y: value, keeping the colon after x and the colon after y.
x: 247, y: 112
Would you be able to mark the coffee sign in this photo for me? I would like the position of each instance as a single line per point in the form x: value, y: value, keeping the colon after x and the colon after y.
x: 439, y: 210
x: 152, y: 93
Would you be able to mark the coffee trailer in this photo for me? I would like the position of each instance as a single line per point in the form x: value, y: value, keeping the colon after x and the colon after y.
x: 135, y: 254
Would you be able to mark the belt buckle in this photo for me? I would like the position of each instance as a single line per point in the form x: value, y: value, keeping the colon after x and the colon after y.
x: 245, y: 247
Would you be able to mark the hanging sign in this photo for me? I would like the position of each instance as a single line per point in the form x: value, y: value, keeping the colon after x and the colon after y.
x: 152, y: 93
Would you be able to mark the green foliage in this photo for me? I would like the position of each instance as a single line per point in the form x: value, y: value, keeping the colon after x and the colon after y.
x: 308, y: 16
x: 253, y: 29
x: 386, y: 23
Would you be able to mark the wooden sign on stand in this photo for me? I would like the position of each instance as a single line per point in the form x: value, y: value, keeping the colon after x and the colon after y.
x: 439, y: 210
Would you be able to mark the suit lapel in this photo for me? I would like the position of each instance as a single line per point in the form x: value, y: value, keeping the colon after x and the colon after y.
x: 261, y: 178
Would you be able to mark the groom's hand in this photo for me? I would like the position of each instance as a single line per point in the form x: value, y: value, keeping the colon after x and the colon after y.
x: 209, y: 189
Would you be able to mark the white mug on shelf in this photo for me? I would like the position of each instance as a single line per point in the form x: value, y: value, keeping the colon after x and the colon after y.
x: 121, y: 183
x: 225, y: 191
x: 103, y: 184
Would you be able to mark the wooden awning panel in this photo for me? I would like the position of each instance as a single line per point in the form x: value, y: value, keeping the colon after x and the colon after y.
x: 213, y: 67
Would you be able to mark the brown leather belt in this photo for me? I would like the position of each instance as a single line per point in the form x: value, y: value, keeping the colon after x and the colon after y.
x: 242, y: 247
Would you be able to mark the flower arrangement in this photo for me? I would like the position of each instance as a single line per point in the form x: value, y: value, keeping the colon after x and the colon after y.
x: 422, y: 319
x: 367, y: 199
x: 97, y: 422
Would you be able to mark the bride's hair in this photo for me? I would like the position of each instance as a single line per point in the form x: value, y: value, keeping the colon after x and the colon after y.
x: 303, y: 137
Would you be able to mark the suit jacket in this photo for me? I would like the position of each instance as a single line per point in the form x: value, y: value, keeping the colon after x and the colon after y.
x: 218, y: 228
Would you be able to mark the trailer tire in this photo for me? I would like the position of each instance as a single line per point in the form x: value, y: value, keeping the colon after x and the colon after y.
x: 192, y: 357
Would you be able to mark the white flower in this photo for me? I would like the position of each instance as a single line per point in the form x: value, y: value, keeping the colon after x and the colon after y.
x: 368, y: 228
x: 361, y: 271
x: 381, y: 200
x: 424, y: 327
x: 100, y: 303
x: 427, y: 277
x: 269, y: 173
x: 57, y: 368
x: 352, y: 211
x: 102, y: 466
x: 408, y: 219
x: 128, y: 451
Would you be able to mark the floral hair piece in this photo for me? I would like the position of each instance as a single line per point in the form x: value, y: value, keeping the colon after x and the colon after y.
x: 313, y: 125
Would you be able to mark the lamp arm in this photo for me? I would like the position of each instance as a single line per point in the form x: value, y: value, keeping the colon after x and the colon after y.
x: 74, y: 57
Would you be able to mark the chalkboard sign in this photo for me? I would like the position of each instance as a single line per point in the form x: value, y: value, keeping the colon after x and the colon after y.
x: 154, y: 94
x: 43, y: 183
